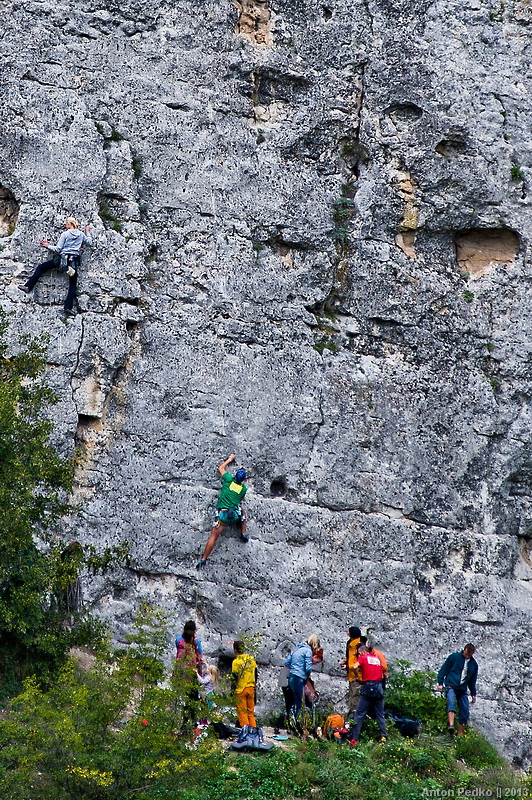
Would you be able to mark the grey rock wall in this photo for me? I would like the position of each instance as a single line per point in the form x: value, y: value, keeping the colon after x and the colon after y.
x: 312, y: 225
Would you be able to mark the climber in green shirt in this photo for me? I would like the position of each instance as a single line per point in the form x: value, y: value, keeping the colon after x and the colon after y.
x: 229, y: 506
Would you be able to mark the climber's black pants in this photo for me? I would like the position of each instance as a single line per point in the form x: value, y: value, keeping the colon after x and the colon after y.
x: 46, y: 266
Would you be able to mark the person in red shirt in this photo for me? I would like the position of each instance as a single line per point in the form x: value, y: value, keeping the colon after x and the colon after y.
x: 371, y: 693
x: 374, y: 652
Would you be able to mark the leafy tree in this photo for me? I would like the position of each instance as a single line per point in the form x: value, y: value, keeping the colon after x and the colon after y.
x: 112, y: 732
x: 36, y: 626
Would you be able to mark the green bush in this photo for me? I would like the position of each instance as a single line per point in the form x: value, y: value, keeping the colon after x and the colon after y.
x: 419, y: 757
x: 340, y: 780
x: 38, y: 621
x: 410, y: 693
x: 109, y: 733
x: 36, y: 625
x: 477, y: 752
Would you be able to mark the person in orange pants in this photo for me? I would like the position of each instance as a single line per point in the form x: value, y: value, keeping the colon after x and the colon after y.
x: 244, y: 675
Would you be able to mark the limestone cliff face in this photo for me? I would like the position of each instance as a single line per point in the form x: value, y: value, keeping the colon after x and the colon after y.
x: 312, y: 225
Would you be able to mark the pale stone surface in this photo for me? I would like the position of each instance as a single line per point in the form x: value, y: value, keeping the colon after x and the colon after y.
x: 480, y: 252
x: 246, y: 292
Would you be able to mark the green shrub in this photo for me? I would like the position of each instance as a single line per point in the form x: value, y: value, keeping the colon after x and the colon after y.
x: 110, y: 733
x: 325, y: 344
x: 477, y: 752
x: 136, y: 164
x: 410, y: 693
x: 339, y: 780
x: 109, y: 218
x: 37, y: 626
x: 417, y: 757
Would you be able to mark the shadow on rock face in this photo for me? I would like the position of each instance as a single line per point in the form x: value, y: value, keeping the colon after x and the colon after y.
x: 9, y: 208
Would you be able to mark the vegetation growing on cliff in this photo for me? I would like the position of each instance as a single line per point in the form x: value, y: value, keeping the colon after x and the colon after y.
x: 37, y: 626
x: 34, y: 485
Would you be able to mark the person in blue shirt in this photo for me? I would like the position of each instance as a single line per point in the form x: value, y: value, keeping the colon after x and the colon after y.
x: 456, y: 676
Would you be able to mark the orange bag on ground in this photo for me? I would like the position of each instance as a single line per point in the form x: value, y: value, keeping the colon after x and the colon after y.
x: 332, y: 723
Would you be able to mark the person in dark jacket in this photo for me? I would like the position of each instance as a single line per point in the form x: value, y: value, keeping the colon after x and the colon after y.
x: 457, y: 675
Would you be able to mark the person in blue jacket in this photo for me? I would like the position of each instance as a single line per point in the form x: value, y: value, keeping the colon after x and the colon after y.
x: 299, y: 662
x: 457, y: 675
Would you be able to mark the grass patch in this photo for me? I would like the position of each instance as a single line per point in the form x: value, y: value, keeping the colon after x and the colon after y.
x: 326, y: 344
x: 109, y: 219
x: 136, y: 165
x: 477, y: 752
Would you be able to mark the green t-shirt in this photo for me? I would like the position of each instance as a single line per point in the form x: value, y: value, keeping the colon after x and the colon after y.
x: 232, y: 493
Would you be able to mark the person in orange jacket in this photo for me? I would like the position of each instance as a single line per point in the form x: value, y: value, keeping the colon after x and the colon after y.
x: 348, y: 663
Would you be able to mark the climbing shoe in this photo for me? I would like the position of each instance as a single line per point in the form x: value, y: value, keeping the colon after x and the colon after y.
x: 24, y: 289
x: 450, y: 730
x: 201, y: 563
x: 70, y: 312
x: 353, y: 743
x: 244, y: 538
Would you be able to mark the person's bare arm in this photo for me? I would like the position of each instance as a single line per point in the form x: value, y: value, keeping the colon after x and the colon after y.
x: 223, y: 466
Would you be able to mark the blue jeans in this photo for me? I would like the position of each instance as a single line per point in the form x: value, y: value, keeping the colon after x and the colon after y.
x: 296, y: 684
x: 453, y: 696
x: 365, y: 704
